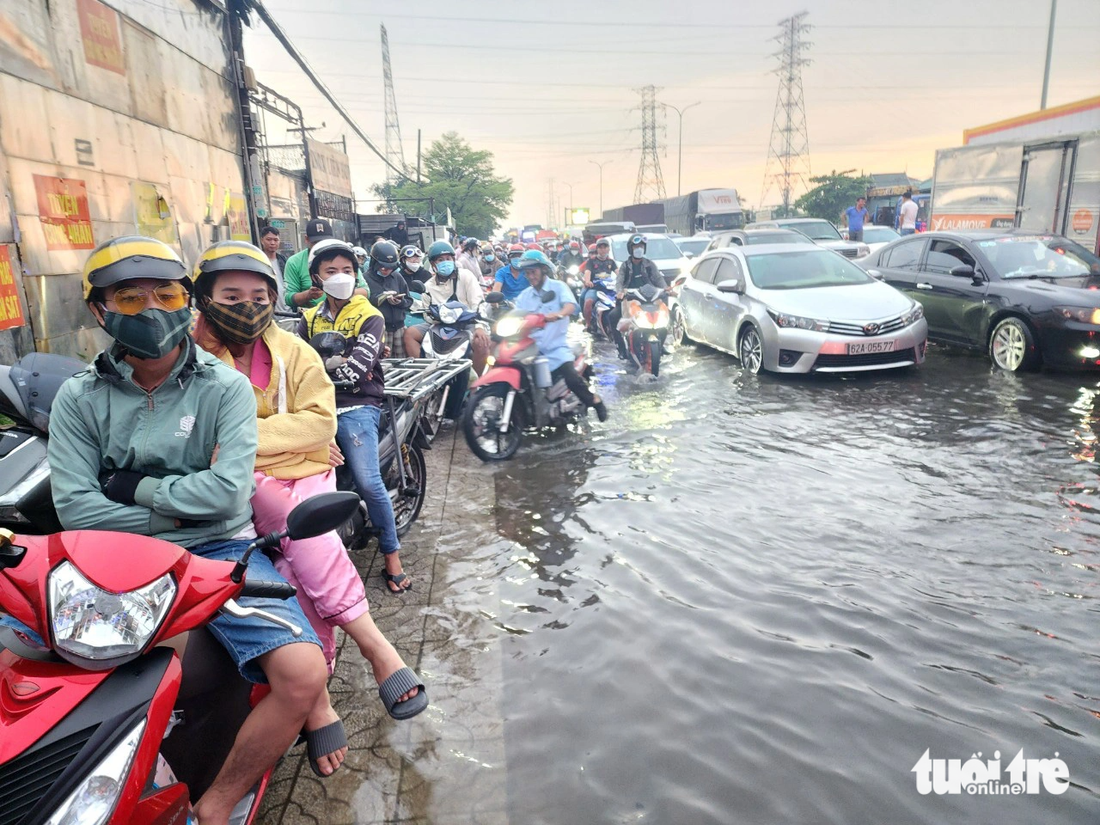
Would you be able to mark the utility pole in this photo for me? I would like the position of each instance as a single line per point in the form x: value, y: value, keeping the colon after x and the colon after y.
x: 417, y: 157
x: 649, y: 170
x: 789, y: 153
x: 601, y: 165
x: 250, y: 161
x: 570, y: 193
x: 550, y: 203
x: 680, y: 141
x: 1050, y: 52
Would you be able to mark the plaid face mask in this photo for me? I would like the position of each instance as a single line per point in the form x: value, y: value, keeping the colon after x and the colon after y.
x: 240, y: 323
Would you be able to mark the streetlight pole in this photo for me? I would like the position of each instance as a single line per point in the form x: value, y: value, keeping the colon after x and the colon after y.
x: 1050, y: 50
x: 601, y: 165
x: 680, y: 141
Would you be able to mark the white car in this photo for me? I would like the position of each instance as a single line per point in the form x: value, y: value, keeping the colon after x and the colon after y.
x: 875, y: 237
x: 799, y: 308
x: 821, y: 232
x: 660, y: 249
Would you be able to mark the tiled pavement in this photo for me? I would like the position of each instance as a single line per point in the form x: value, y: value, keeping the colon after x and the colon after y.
x: 446, y: 766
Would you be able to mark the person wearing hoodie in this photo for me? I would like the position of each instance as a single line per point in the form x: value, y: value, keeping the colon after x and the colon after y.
x: 390, y: 293
x: 158, y: 438
x: 235, y: 294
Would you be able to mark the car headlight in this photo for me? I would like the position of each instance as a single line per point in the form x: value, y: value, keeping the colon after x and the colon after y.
x: 913, y: 315
x: 1083, y: 315
x: 93, y: 802
x: 507, y: 327
x: 448, y: 315
x: 784, y: 321
x: 97, y: 627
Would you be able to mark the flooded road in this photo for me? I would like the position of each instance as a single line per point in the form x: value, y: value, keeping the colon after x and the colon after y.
x: 759, y: 599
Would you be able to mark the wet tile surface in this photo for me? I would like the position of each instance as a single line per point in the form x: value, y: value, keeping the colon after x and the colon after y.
x: 446, y: 766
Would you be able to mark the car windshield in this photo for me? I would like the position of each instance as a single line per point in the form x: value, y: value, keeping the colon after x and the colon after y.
x: 656, y: 249
x: 879, y: 234
x: 1039, y: 256
x: 815, y: 230
x: 778, y: 236
x: 693, y: 246
x: 804, y: 269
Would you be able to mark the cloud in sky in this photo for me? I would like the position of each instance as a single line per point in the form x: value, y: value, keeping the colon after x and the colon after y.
x: 549, y: 88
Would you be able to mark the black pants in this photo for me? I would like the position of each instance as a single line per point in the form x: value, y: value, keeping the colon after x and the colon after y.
x: 613, y: 318
x: 575, y: 383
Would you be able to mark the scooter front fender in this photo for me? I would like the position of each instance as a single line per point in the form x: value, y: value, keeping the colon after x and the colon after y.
x: 496, y: 375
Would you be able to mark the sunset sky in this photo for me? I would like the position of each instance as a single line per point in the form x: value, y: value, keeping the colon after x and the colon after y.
x: 549, y: 87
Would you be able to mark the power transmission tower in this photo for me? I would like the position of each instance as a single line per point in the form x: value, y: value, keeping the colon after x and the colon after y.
x: 789, y: 153
x: 395, y: 153
x: 651, y: 185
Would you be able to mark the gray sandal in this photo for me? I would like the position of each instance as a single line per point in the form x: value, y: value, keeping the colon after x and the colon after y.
x: 397, y: 685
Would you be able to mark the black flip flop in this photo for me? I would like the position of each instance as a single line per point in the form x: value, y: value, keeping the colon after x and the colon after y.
x: 400, y: 577
x: 322, y: 742
x: 396, y: 685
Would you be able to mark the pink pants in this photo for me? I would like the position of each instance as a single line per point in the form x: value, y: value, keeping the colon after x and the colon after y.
x: 329, y: 588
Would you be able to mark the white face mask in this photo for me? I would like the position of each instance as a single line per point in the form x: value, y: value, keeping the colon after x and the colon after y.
x: 340, y: 286
x: 638, y: 252
x: 414, y: 266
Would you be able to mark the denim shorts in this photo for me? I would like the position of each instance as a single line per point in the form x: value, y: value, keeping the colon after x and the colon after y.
x: 244, y: 639
x: 247, y: 639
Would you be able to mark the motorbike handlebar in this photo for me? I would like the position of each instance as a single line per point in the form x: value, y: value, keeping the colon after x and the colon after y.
x: 268, y: 590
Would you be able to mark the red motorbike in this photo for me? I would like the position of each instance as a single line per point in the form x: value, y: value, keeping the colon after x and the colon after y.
x: 518, y: 391
x: 106, y: 723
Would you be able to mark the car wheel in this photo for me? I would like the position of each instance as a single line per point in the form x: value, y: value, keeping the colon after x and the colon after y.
x: 750, y: 350
x: 1012, y: 346
x: 676, y: 331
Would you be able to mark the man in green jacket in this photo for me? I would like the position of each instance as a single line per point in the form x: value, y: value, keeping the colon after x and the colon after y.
x: 301, y: 292
x: 159, y: 438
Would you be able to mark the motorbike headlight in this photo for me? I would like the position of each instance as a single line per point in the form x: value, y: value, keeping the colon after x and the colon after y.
x: 98, y: 627
x: 448, y: 315
x: 1083, y: 315
x: 507, y: 327
x: 10, y: 499
x: 93, y: 802
x: 574, y: 270
x: 784, y: 321
x: 913, y: 315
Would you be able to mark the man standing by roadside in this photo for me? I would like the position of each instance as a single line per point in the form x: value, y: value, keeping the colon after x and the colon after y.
x: 856, y: 216
x: 300, y: 290
x: 269, y: 243
x: 907, y: 215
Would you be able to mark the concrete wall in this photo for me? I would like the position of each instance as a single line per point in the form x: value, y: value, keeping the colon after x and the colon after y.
x: 133, y: 101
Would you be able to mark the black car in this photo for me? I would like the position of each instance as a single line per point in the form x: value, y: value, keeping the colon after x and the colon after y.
x: 1027, y: 299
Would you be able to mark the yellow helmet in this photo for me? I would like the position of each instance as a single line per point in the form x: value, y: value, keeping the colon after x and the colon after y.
x: 231, y: 256
x: 130, y: 257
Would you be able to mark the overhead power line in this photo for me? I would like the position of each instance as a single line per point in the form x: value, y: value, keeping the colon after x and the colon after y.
x: 281, y: 36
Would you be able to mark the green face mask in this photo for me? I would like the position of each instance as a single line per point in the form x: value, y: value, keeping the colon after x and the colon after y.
x: 152, y: 333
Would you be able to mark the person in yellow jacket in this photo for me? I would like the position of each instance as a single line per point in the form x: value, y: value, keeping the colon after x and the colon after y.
x: 235, y: 294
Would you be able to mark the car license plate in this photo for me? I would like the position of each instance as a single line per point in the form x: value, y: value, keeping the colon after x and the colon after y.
x: 871, y: 347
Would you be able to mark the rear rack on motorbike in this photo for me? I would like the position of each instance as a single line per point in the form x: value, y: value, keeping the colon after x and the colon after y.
x: 415, y: 378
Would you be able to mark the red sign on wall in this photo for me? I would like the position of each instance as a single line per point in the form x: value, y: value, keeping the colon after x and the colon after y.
x: 11, y: 311
x: 99, y: 31
x: 63, y: 209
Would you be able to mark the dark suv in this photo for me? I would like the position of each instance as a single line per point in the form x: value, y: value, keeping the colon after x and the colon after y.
x: 1027, y: 299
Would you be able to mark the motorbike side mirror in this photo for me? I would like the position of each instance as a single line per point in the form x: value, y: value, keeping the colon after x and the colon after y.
x: 320, y: 514
x: 495, y: 297
x: 547, y: 295
x: 732, y: 286
x: 417, y: 286
x: 10, y: 552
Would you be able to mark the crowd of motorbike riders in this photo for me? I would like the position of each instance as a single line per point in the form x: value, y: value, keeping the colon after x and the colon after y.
x: 205, y: 423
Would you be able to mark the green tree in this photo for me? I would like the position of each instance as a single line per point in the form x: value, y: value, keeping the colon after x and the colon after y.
x: 459, y: 178
x: 833, y: 194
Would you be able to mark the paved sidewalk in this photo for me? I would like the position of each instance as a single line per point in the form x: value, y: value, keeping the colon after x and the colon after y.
x: 448, y: 764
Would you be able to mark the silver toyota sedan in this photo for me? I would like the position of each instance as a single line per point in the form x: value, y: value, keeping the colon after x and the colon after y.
x: 787, y: 308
